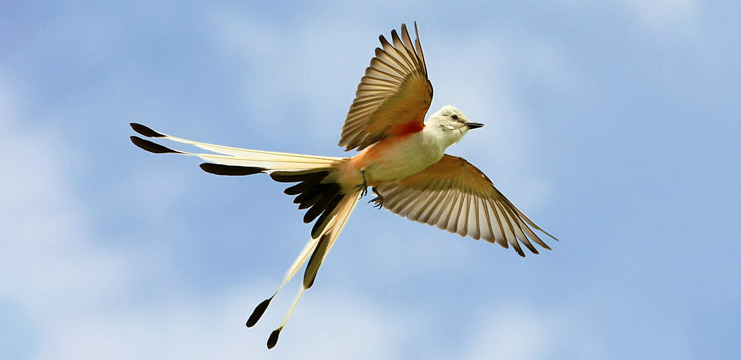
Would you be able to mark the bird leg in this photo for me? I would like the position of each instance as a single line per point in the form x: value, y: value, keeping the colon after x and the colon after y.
x: 378, y: 200
x: 364, y: 185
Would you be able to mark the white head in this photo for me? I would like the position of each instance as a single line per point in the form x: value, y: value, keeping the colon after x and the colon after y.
x: 450, y: 124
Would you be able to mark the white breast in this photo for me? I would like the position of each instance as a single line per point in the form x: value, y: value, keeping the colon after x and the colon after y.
x: 406, y: 157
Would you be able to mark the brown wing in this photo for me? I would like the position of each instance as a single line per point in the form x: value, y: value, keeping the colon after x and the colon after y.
x: 456, y: 196
x: 392, y: 97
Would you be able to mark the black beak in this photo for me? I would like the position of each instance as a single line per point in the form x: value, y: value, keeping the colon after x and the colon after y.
x: 473, y: 125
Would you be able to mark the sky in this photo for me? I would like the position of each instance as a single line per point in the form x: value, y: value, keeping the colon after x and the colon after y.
x: 614, y: 125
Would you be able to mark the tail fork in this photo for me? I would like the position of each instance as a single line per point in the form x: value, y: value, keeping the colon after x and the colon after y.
x: 316, y: 190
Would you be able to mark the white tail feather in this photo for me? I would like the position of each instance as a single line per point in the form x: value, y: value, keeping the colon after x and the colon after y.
x: 269, y: 160
x: 333, y: 230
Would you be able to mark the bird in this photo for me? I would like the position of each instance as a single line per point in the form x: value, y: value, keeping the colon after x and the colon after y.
x: 400, y: 156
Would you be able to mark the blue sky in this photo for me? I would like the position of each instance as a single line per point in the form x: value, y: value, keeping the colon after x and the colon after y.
x: 614, y: 125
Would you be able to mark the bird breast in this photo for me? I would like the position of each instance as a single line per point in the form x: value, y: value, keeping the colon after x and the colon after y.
x: 398, y: 157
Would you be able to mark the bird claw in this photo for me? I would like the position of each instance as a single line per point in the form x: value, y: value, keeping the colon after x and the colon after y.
x: 378, y: 200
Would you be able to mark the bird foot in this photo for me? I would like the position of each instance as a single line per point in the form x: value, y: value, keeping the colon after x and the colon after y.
x: 378, y: 200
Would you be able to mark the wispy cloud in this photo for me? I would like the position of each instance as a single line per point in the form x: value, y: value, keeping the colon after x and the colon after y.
x: 49, y: 266
x: 519, y: 332
x: 189, y: 328
x: 665, y: 15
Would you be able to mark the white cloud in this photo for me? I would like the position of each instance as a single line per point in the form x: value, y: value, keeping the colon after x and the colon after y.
x: 664, y: 15
x: 660, y: 16
x: 49, y: 268
x: 517, y: 332
x: 328, y: 327
x: 45, y: 230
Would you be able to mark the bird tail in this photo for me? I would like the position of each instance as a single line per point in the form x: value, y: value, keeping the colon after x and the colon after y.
x: 314, y: 252
x: 235, y: 161
x: 328, y: 203
x: 316, y: 189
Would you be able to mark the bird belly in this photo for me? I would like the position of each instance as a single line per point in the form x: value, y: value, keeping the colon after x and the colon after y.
x: 397, y: 158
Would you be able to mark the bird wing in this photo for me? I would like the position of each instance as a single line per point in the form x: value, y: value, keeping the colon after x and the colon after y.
x: 392, y: 97
x: 456, y: 196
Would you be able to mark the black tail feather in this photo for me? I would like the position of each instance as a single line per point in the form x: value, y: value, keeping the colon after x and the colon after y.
x: 296, y: 176
x: 230, y: 170
x: 320, y: 198
x: 312, y: 268
x: 152, y: 147
x: 146, y: 131
x: 323, y: 204
x: 259, y: 310
x: 299, y: 188
x: 307, y: 199
x: 319, y: 224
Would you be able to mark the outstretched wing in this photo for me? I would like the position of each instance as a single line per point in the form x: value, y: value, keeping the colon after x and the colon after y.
x: 393, y: 96
x: 456, y: 196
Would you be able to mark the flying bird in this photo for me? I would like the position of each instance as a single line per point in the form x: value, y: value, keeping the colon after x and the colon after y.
x: 400, y: 157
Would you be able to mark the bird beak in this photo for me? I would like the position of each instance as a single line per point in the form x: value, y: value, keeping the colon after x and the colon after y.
x: 473, y: 125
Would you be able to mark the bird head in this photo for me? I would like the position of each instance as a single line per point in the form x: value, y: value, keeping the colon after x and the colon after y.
x: 451, y: 124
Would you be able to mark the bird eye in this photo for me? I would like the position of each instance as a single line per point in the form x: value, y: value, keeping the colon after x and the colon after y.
x: 455, y: 117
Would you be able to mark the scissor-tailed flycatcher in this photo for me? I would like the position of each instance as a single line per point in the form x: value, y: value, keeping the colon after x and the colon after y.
x: 401, y: 156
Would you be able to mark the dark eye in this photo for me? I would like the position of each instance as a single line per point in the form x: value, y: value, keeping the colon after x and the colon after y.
x: 455, y: 117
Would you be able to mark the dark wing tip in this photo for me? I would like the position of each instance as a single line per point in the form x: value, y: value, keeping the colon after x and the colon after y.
x: 517, y: 248
x: 230, y: 170
x: 152, y: 147
x: 259, y: 310
x: 273, y: 338
x: 143, y: 130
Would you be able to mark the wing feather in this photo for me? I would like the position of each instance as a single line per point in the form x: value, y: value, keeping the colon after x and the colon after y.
x: 473, y: 228
x: 500, y: 237
x: 517, y: 229
x: 429, y: 206
x: 454, y: 214
x: 456, y: 196
x: 394, y: 92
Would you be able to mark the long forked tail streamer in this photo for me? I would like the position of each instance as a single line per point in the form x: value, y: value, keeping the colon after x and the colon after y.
x: 300, y: 260
x: 320, y: 249
x: 235, y: 159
